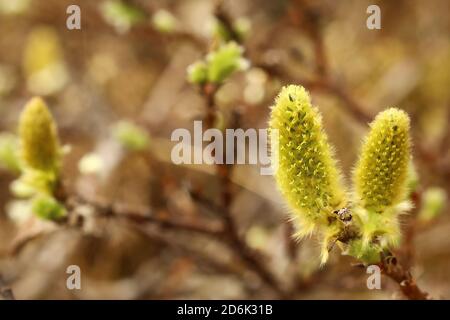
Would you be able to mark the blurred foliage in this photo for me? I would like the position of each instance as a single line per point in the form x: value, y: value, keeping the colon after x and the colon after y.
x: 43, y: 62
x: 119, y: 84
x: 121, y: 14
x: 131, y: 136
x: 164, y: 21
x: 9, y: 146
x: 47, y: 207
x: 14, y: 6
x: 433, y: 203
x: 90, y: 163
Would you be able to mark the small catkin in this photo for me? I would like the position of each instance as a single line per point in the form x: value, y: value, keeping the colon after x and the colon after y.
x: 306, y: 173
x: 380, y: 177
x: 39, y: 145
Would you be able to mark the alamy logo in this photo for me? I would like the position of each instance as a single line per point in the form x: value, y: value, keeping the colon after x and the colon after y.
x: 374, y: 280
x: 374, y: 20
x: 73, y: 21
x: 231, y: 149
x: 74, y: 280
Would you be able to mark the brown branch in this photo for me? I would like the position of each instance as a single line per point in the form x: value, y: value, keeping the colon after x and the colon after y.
x: 207, y: 203
x: 400, y: 273
x: 402, y: 276
x: 252, y: 258
x: 229, y: 233
x: 231, y: 267
x: 208, y: 91
x: 143, y: 215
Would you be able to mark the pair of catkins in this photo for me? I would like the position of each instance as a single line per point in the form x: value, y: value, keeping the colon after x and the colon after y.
x: 364, y: 220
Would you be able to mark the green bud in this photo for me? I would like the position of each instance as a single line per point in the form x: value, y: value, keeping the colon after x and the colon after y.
x: 225, y: 61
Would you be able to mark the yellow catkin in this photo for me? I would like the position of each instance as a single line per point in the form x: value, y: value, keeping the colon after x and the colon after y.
x: 381, y: 183
x: 306, y: 174
x: 39, y: 145
x: 380, y: 177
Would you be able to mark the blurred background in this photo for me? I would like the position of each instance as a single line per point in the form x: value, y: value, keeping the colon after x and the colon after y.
x: 140, y: 227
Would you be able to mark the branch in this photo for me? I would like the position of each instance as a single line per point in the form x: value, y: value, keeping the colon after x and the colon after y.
x: 391, y: 268
x: 142, y: 216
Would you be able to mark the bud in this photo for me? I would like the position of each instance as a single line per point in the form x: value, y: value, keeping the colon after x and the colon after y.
x: 39, y: 145
x: 224, y: 61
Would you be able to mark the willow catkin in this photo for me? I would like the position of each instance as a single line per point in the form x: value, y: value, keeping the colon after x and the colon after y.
x: 380, y: 177
x: 39, y: 145
x: 306, y: 174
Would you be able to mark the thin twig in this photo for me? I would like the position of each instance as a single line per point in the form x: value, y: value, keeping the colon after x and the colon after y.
x: 143, y: 216
x: 402, y: 276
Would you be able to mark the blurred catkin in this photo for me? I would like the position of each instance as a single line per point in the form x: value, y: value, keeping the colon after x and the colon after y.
x: 39, y: 145
x: 43, y: 62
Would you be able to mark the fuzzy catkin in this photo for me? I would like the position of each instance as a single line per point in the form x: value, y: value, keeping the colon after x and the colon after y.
x: 380, y: 177
x: 39, y: 145
x: 306, y: 174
